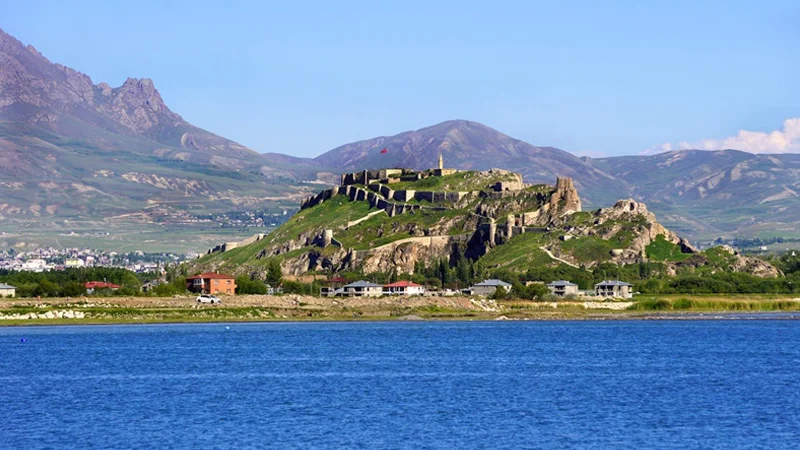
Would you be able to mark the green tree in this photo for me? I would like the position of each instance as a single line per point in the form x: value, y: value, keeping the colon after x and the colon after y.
x: 274, y: 273
x: 245, y: 285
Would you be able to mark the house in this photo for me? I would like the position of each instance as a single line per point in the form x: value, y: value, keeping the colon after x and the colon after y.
x: 563, y: 288
x: 362, y: 288
x: 147, y: 287
x: 403, y: 288
x: 274, y: 290
x: 211, y: 283
x: 333, y: 287
x: 613, y: 288
x: 92, y: 286
x: 7, y: 290
x: 488, y: 287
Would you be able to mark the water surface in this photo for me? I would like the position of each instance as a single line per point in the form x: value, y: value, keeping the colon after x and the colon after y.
x: 630, y: 384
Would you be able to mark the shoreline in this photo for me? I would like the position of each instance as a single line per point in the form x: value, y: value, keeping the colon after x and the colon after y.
x: 294, y: 308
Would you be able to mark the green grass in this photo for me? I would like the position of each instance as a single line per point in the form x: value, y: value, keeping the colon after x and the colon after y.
x: 663, y: 250
x: 382, y: 229
x: 520, y: 253
x: 701, y: 304
x: 588, y: 249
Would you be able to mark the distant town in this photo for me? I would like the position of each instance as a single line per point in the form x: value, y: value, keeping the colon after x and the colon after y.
x: 49, y: 259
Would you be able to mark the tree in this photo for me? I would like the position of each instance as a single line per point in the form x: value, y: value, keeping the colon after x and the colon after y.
x: 244, y: 285
x: 274, y: 273
x: 538, y: 291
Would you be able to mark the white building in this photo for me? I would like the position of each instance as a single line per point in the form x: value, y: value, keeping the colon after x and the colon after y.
x: 404, y: 288
x: 489, y: 287
x: 7, y: 291
x: 362, y: 289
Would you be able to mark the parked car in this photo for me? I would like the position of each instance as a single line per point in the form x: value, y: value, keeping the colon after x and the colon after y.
x: 207, y: 298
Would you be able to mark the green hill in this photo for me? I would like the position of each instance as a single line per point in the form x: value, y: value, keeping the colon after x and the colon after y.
x: 401, y: 220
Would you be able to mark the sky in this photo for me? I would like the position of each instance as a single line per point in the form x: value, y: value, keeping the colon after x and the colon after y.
x: 302, y: 77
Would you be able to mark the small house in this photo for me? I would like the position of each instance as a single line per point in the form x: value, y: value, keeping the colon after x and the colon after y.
x: 404, y: 288
x: 92, y: 286
x: 211, y: 283
x: 333, y: 287
x: 489, y: 287
x: 274, y: 290
x: 6, y: 290
x: 562, y: 288
x: 148, y: 286
x: 362, y: 288
x: 613, y: 289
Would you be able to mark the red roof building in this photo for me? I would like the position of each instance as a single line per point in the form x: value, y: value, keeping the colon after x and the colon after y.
x: 92, y: 286
x: 212, y: 283
x: 403, y: 288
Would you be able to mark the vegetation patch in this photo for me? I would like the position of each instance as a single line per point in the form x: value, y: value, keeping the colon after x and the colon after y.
x: 663, y: 250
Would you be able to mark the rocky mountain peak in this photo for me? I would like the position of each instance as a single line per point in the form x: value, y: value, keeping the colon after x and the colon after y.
x: 138, y: 105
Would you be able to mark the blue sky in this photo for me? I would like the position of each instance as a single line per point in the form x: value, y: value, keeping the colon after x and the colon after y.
x: 302, y: 77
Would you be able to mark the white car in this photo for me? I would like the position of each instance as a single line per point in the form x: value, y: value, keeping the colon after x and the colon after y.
x: 207, y: 298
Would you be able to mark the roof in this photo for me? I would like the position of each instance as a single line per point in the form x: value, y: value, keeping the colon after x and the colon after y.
x: 335, y: 280
x: 212, y: 275
x: 362, y: 284
x: 403, y: 284
x: 100, y: 285
x: 493, y: 283
x: 613, y: 283
x: 562, y: 283
x: 6, y: 286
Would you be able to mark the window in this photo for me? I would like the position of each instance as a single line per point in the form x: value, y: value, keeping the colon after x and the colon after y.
x: 198, y: 281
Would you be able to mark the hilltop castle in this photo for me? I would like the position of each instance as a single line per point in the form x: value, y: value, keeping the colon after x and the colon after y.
x: 389, y: 176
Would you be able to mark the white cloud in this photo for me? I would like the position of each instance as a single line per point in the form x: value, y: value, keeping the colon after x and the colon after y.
x: 786, y: 140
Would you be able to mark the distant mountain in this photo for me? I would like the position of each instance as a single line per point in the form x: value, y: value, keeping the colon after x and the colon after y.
x: 715, y: 192
x: 72, y: 148
x: 472, y: 146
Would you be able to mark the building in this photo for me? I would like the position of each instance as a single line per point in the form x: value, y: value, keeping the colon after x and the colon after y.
x: 362, y: 288
x: 441, y: 171
x: 404, y: 288
x: 147, y: 287
x: 92, y: 286
x: 613, y: 288
x: 333, y: 287
x: 211, y: 283
x: 274, y: 290
x: 562, y: 288
x: 488, y: 287
x: 7, y: 290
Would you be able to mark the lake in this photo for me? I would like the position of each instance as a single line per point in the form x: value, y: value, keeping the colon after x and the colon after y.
x: 619, y: 384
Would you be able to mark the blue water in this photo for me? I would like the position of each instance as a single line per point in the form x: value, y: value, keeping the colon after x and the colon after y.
x: 649, y: 384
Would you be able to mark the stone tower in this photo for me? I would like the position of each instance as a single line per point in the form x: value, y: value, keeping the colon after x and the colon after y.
x: 441, y: 162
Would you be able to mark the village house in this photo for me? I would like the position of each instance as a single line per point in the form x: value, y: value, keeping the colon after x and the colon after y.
x: 7, y: 290
x: 403, y: 288
x: 488, y: 287
x: 562, y: 288
x: 332, y: 287
x: 147, y: 287
x: 614, y: 289
x: 362, y: 288
x: 211, y: 283
x: 92, y: 286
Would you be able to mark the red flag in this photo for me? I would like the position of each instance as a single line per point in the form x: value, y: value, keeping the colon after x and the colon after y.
x: 384, y: 151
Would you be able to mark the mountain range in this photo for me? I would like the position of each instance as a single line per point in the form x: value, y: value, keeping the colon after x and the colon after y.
x: 72, y: 149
